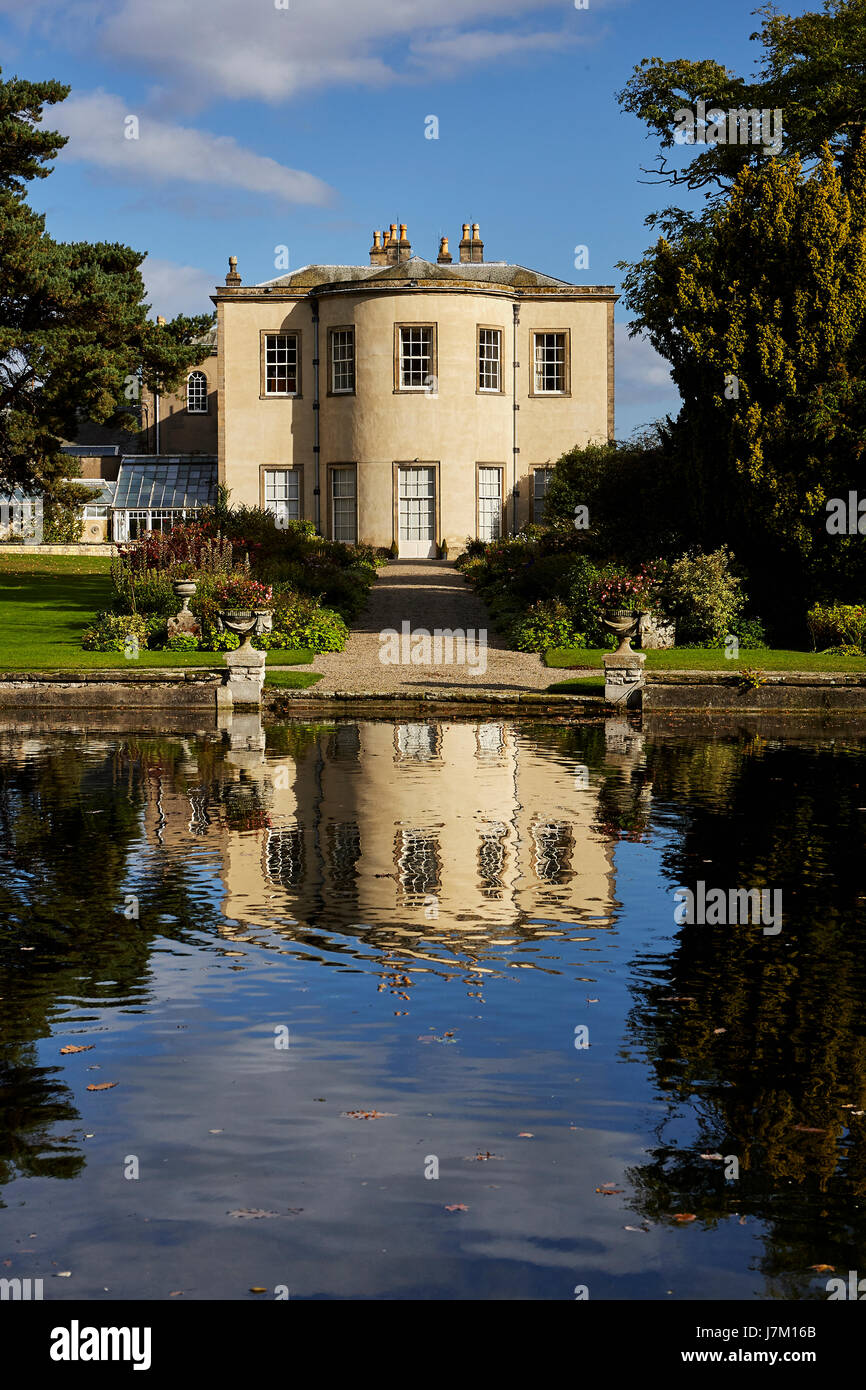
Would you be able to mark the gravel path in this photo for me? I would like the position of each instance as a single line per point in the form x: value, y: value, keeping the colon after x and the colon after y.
x: 427, y: 594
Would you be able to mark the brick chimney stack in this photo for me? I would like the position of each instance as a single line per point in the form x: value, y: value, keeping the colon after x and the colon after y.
x: 444, y: 257
x: 392, y: 245
x: 404, y: 250
x: 233, y: 278
x: 477, y: 246
x: 465, y: 245
x: 378, y: 252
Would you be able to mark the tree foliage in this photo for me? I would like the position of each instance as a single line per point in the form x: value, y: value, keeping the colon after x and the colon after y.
x: 74, y: 333
x: 813, y: 71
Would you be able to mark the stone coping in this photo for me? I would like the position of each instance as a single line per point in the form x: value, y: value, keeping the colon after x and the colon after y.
x: 411, y: 697
x: 819, y: 678
x: 156, y: 675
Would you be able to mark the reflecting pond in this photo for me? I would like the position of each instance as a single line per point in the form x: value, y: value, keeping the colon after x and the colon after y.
x: 381, y: 1010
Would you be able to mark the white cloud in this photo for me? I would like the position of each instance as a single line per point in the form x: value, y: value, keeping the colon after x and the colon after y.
x: 644, y: 389
x: 96, y: 123
x: 210, y: 49
x: 177, y: 289
x: 442, y: 52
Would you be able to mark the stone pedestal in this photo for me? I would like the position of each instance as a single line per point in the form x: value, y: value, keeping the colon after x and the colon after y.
x: 624, y: 678
x: 246, y: 675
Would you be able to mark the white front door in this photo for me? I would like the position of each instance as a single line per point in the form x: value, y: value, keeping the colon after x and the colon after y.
x: 417, y: 512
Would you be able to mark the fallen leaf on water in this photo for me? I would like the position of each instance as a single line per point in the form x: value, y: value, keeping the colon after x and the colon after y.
x: 720, y: 1030
x: 644, y: 1230
x: 606, y: 1184
x: 809, y: 1129
x: 610, y: 1191
x: 684, y: 1216
x: 64, y: 1274
x: 369, y: 1114
x: 824, y: 1269
x: 72, y: 1048
x: 8, y: 1264
x: 256, y: 1289
x: 742, y: 1221
x: 176, y: 1293
x: 458, y: 1206
x: 101, y: 1085
x: 215, y: 1131
x: 715, y: 1158
x: 252, y: 1213
x: 524, y: 1134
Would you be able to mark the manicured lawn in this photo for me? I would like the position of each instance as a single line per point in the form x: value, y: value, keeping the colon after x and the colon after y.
x: 292, y: 680
x: 46, y: 602
x: 582, y: 685
x: 714, y: 659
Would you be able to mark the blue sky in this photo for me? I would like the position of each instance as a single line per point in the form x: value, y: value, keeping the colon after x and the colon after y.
x: 301, y: 123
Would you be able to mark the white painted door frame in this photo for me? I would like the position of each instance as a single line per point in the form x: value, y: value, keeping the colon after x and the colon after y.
x: 416, y: 511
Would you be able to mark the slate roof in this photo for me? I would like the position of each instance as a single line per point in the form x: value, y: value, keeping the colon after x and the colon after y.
x: 415, y: 268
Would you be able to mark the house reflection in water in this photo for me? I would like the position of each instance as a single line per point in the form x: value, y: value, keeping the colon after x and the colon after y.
x: 427, y: 830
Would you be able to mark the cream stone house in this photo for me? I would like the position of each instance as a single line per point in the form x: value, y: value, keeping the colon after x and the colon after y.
x: 409, y: 401
x: 404, y: 402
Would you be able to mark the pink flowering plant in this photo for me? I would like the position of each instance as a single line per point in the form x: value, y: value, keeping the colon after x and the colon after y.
x: 239, y: 591
x: 619, y: 588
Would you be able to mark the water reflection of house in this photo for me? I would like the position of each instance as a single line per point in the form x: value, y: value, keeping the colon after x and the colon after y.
x: 432, y: 827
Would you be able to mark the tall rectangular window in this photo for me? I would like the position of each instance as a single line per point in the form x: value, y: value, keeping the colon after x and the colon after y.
x: 490, y: 359
x: 344, y: 509
x: 540, y: 483
x: 342, y: 361
x: 283, y: 494
x: 281, y: 364
x: 416, y: 367
x: 550, y: 364
x: 489, y: 504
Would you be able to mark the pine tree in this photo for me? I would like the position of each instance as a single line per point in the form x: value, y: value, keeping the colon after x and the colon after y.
x: 74, y: 332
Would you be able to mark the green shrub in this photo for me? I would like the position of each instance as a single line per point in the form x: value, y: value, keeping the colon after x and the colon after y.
x: 837, y: 625
x: 182, y: 642
x: 299, y: 621
x: 150, y: 592
x: 749, y: 633
x: 116, y: 632
x: 546, y: 623
x: 704, y: 596
x: 212, y: 640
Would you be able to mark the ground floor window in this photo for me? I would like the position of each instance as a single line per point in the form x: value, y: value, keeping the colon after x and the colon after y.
x: 489, y: 504
x: 283, y: 494
x: 541, y: 479
x: 344, y: 504
x: 137, y: 522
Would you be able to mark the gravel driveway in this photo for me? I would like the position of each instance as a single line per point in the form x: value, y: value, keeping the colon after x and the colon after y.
x: 427, y: 594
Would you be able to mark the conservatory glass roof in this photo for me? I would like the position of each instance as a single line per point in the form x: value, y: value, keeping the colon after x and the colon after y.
x: 165, y: 483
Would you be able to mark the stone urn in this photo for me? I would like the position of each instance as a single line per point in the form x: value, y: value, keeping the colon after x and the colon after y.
x: 623, y: 623
x: 246, y: 623
x: 184, y: 589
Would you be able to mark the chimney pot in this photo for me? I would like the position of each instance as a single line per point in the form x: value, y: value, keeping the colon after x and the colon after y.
x: 444, y: 257
x: 233, y: 278
x: 477, y: 245
x: 465, y: 245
